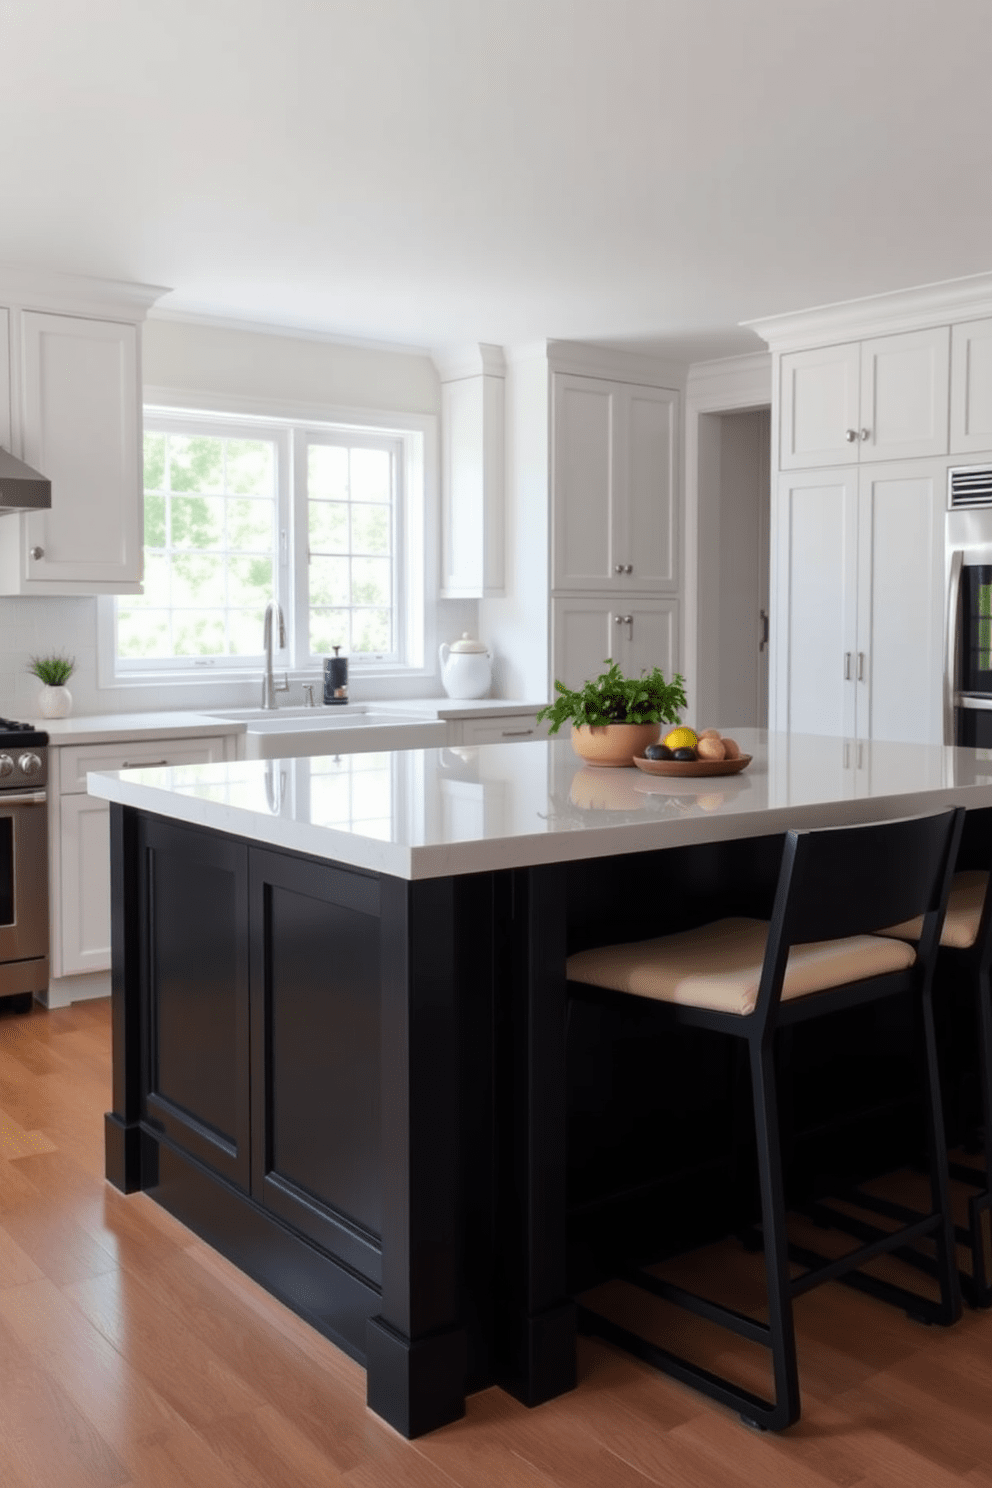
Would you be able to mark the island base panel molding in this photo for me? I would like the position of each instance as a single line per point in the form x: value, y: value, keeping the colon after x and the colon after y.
x: 419, y: 1386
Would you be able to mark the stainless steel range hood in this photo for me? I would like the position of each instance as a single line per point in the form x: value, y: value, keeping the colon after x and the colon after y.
x: 21, y: 487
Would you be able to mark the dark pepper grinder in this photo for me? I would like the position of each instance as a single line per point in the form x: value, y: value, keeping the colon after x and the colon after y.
x: 336, y: 678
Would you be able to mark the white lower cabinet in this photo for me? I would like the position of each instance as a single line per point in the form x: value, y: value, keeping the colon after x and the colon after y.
x: 80, y: 849
x: 84, y: 890
x: 589, y: 632
x: 858, y: 589
x: 502, y: 728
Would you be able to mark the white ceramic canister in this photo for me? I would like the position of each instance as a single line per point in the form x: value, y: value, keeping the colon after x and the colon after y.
x: 466, y: 668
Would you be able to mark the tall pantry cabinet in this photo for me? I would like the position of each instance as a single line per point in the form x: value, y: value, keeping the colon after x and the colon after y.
x: 873, y: 403
x: 614, y: 528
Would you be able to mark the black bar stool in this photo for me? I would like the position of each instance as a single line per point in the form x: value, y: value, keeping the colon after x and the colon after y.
x: 820, y: 953
x: 964, y: 981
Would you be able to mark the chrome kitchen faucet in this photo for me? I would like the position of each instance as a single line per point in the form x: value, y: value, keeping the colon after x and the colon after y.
x: 269, y: 684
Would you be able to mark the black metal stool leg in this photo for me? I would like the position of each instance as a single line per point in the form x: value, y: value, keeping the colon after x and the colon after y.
x: 776, y: 1246
x: 947, y: 1268
x: 979, y: 1214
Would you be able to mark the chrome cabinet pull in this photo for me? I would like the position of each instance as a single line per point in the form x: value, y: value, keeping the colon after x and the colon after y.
x: 847, y: 666
x: 516, y: 733
x: 861, y: 666
x: 143, y: 764
x: 763, y: 615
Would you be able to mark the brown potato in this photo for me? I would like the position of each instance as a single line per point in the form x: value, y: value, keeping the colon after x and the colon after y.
x: 709, y: 748
x: 710, y: 734
x: 731, y: 749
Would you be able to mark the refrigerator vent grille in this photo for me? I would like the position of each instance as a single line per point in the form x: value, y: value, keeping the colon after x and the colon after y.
x: 971, y: 485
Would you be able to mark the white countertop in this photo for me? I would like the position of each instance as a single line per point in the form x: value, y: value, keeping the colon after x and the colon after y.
x: 445, y: 707
x: 428, y: 813
x: 95, y: 728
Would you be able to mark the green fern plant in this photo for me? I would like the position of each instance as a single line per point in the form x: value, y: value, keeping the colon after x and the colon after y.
x: 54, y: 671
x: 614, y: 698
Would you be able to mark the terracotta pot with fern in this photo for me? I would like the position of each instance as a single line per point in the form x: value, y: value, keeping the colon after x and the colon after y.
x: 615, y: 717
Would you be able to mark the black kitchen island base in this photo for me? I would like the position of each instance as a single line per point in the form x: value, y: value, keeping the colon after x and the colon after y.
x: 354, y: 1087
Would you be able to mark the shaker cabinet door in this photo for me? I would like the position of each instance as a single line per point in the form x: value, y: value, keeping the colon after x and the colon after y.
x: 815, y: 603
x: 584, y: 475
x: 820, y: 407
x: 904, y: 386
x: 901, y: 602
x: 81, y: 421
x: 971, y: 387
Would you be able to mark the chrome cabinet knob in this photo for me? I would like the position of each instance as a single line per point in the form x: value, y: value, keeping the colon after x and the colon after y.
x: 865, y: 434
x: 37, y: 552
x: 6, y: 765
x: 30, y: 764
x: 851, y: 435
x: 618, y: 568
x: 628, y: 568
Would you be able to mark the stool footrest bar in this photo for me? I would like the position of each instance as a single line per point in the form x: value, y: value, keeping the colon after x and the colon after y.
x: 727, y: 1317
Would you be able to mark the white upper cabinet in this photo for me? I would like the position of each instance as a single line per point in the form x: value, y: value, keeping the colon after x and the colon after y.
x: 971, y: 387
x: 73, y: 411
x: 879, y: 399
x: 473, y: 537
x: 5, y: 418
x: 81, y: 429
x: 904, y: 385
x: 613, y: 486
x: 820, y: 407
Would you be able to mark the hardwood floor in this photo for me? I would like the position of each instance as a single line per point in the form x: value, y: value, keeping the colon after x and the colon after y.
x: 130, y: 1353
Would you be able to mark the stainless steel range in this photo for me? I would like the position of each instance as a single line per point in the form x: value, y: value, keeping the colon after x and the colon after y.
x: 23, y: 861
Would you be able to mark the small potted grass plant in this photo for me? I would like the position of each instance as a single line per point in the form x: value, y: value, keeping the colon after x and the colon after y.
x: 615, y: 717
x: 53, y: 672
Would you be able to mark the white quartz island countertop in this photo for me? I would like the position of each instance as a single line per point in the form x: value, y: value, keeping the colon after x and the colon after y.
x: 430, y: 813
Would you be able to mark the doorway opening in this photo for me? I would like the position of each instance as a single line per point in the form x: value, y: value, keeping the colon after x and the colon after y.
x: 734, y: 526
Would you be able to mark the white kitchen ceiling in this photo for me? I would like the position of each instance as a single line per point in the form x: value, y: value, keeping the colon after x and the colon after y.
x: 434, y: 172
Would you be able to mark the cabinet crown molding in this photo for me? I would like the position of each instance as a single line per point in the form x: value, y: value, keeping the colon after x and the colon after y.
x: 743, y: 377
x: 30, y: 288
x: 924, y: 305
x: 615, y: 364
x: 455, y: 363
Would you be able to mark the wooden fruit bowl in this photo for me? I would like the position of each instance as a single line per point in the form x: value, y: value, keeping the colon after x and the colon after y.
x: 689, y: 769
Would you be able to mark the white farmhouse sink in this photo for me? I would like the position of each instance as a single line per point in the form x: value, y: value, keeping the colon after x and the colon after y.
x: 285, y: 732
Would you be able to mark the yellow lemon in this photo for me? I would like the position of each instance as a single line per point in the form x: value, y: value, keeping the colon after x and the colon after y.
x: 681, y: 738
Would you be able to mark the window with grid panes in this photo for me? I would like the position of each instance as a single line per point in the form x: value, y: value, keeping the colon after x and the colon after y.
x: 238, y: 512
x: 351, y: 501
x: 211, y: 524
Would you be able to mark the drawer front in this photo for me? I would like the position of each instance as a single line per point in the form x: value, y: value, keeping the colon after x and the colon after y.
x: 77, y: 759
x: 503, y: 730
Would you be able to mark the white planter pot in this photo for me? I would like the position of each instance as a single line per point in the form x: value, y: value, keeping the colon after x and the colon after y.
x: 55, y: 702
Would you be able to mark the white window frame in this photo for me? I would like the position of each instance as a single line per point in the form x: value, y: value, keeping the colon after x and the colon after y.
x: 417, y: 554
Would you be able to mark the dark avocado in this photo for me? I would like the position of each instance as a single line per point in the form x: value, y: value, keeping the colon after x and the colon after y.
x: 684, y: 756
x: 657, y: 752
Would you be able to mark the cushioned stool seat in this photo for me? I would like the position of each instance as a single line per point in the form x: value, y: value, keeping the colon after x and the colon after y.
x: 964, y: 913
x: 719, y: 965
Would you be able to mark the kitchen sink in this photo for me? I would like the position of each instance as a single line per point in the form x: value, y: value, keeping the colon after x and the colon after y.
x: 286, y: 732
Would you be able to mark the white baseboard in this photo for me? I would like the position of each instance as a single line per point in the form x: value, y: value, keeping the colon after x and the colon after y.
x: 64, y: 990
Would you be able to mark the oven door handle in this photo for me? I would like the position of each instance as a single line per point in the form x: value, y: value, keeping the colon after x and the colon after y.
x: 953, y: 642
x: 25, y: 798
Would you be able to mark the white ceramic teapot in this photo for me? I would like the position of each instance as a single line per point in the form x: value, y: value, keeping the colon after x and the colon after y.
x: 466, y: 668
